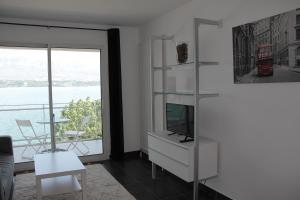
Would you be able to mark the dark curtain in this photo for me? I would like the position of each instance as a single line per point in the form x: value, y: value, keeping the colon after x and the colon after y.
x: 115, y: 94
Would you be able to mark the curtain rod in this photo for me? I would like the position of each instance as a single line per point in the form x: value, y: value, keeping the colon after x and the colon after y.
x: 51, y: 26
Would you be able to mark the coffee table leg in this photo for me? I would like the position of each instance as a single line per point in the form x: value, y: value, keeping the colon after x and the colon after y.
x: 38, y: 188
x: 83, y: 184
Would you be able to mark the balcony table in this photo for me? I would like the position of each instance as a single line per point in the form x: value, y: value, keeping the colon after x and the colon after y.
x: 60, y: 121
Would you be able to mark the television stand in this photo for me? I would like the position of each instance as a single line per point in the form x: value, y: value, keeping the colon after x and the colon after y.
x: 186, y: 139
x: 178, y: 158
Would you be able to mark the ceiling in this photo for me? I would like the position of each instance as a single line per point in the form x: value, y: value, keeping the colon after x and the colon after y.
x: 113, y: 12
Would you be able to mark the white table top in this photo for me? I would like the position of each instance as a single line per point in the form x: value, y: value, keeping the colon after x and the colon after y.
x: 57, y: 164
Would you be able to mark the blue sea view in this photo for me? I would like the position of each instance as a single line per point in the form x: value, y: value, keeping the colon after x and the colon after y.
x: 17, y: 102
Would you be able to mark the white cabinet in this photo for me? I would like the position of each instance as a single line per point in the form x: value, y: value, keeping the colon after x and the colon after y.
x: 178, y: 158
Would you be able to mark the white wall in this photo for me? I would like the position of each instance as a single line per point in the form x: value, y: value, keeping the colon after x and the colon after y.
x: 131, y: 89
x: 129, y: 37
x: 257, y: 125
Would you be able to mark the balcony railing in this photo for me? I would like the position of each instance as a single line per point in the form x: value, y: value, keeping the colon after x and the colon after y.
x: 40, y: 113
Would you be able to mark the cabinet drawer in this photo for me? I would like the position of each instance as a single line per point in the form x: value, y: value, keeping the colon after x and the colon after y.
x: 169, y: 150
x: 176, y: 168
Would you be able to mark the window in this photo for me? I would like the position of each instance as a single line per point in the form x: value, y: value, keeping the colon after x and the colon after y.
x: 298, y: 19
x: 297, y: 34
x: 298, y: 51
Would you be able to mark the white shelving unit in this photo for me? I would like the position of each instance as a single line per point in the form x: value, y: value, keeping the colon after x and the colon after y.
x: 197, y: 94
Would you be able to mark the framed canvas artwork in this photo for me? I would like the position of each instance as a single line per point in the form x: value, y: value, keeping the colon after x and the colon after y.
x: 268, y: 50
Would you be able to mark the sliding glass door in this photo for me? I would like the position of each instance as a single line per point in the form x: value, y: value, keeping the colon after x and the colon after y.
x: 76, y: 93
x: 64, y: 83
x: 24, y: 100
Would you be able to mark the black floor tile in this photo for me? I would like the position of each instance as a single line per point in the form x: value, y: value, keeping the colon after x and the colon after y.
x: 135, y: 175
x: 184, y: 197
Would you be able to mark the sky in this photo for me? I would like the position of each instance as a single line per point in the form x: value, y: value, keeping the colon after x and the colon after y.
x: 31, y: 64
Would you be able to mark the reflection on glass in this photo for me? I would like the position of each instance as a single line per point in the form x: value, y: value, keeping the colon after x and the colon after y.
x: 24, y: 96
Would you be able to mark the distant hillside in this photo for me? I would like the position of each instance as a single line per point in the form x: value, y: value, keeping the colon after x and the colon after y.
x: 31, y: 83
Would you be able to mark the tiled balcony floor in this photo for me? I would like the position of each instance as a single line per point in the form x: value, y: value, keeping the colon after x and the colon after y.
x: 94, y: 147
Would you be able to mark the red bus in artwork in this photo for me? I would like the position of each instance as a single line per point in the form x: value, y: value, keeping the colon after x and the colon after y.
x: 264, y: 60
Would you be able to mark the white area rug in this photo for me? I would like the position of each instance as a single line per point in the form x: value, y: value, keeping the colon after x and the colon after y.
x: 100, y: 186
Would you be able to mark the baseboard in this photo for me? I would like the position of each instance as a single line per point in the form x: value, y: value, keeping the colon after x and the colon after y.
x: 132, y: 154
x: 211, y: 193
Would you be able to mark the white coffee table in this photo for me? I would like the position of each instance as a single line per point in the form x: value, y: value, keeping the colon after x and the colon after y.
x: 55, y: 174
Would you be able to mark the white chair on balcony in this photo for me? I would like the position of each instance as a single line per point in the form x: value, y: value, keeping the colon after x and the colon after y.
x: 34, y: 141
x: 74, y: 137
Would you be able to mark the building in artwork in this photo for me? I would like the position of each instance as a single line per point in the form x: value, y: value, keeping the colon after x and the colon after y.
x: 283, y: 33
x: 243, y: 55
x: 283, y: 40
x: 262, y: 32
x: 276, y: 37
x: 294, y: 38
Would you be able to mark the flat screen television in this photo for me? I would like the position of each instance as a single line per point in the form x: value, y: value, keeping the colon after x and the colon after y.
x: 180, y: 120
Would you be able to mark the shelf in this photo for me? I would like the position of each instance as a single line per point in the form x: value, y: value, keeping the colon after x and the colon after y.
x: 209, y: 63
x: 186, y: 64
x: 202, y: 94
x: 206, y: 94
x: 175, y: 93
x: 59, y: 185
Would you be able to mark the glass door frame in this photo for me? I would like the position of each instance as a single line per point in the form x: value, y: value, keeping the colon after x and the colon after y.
x: 104, y: 98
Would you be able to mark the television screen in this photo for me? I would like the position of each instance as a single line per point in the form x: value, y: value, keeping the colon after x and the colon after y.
x: 180, y: 119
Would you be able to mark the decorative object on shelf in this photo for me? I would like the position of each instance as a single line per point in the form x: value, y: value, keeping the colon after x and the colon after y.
x: 182, y: 52
x: 267, y: 50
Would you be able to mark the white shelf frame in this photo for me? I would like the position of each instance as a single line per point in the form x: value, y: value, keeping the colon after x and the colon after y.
x: 198, y: 95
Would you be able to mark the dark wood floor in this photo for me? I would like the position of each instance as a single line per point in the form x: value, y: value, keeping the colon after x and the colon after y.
x: 135, y: 175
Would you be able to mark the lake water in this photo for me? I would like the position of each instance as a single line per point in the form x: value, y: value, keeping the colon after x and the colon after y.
x: 20, y: 97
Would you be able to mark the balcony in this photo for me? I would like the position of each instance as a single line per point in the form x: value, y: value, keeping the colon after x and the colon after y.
x: 68, y: 117
x: 95, y: 147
